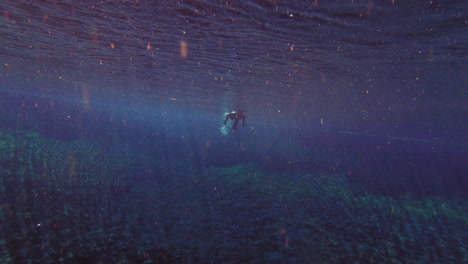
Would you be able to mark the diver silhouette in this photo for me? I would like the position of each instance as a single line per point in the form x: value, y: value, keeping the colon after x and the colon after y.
x: 236, y: 116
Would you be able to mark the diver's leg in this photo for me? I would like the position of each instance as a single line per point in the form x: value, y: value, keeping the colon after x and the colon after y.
x: 235, y: 124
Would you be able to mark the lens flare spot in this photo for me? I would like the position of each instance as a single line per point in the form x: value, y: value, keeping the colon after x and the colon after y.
x: 183, y: 49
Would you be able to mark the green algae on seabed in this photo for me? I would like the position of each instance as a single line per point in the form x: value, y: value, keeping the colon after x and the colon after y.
x: 75, y: 202
x: 330, y: 219
x: 46, y: 186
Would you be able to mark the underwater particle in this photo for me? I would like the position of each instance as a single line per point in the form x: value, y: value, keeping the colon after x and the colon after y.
x: 148, y: 47
x: 183, y: 49
x: 112, y: 46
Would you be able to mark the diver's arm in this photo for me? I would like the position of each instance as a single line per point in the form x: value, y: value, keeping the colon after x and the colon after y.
x: 227, y: 117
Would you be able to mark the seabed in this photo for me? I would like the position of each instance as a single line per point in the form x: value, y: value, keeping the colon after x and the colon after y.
x: 71, y: 202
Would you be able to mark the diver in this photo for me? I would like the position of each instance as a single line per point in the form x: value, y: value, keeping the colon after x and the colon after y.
x: 236, y: 116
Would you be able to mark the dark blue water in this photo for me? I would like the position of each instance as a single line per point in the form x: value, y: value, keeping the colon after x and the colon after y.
x: 113, y: 148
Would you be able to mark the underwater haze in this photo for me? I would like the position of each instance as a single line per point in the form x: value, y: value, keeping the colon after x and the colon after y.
x: 354, y: 146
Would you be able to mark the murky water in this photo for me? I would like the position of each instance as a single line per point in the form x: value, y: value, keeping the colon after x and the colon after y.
x: 363, y: 101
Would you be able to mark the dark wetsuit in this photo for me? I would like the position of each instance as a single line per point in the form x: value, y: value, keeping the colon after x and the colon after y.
x: 236, y: 116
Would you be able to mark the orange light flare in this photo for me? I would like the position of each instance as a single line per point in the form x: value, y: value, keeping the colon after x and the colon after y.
x: 94, y: 35
x: 86, y: 98
x: 323, y: 77
x: 183, y: 49
x: 369, y: 7
x: 282, y: 232
x: 6, y: 15
x: 72, y: 166
x: 420, y: 93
